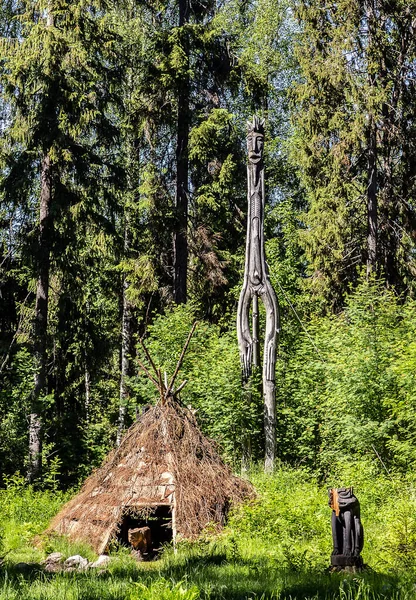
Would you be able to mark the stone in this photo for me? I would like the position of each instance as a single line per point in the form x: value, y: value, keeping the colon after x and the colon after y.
x: 75, y: 562
x: 52, y: 567
x: 102, y: 562
x: 53, y: 563
x: 55, y: 557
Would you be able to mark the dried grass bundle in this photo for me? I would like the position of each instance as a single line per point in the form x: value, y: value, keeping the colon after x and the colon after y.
x: 204, y: 486
x: 163, y: 459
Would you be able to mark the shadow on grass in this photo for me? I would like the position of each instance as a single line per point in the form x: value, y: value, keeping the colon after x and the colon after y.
x: 218, y: 577
x: 238, y: 579
x: 27, y: 571
x: 325, y: 586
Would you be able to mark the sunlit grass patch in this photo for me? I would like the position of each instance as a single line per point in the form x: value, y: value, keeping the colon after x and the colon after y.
x: 276, y: 547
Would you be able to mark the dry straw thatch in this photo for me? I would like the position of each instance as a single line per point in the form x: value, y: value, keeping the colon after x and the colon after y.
x: 163, y: 459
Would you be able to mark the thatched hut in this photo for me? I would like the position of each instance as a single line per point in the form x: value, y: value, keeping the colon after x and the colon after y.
x: 165, y: 474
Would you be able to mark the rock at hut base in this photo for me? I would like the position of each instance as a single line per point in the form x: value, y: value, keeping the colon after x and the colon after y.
x: 55, y: 557
x: 53, y: 563
x: 75, y: 562
x: 101, y: 563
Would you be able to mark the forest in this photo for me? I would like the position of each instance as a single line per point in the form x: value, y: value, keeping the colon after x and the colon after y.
x: 123, y: 215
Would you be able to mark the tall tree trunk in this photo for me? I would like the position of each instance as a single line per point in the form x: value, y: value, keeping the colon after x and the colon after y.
x: 372, y: 203
x: 389, y: 205
x: 182, y: 171
x: 125, y: 363
x: 41, y: 321
x: 87, y: 384
x: 126, y: 344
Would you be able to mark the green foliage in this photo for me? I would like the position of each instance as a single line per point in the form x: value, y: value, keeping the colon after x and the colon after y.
x: 349, y: 73
x: 95, y: 87
x: 290, y: 517
x: 24, y: 514
x: 15, y: 387
x: 59, y: 82
x: 276, y: 547
x: 345, y: 386
x: 289, y: 522
x: 212, y: 369
x: 345, y: 394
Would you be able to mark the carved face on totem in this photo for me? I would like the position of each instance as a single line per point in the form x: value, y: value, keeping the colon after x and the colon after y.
x: 255, y: 140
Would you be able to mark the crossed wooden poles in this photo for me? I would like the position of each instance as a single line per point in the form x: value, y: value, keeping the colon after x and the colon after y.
x: 166, y: 389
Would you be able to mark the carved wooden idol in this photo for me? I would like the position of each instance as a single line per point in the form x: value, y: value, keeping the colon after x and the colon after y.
x: 257, y: 284
x: 347, y: 530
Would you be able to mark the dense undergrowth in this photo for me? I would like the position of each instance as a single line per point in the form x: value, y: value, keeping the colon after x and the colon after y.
x: 277, y: 546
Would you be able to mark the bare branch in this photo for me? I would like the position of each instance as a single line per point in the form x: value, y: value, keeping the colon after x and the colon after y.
x: 183, y: 384
x: 152, y: 379
x: 163, y: 393
x: 178, y: 366
x: 149, y: 358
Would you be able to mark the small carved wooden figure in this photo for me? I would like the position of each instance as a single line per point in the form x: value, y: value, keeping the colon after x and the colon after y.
x: 347, y: 531
x: 141, y: 539
x: 257, y: 284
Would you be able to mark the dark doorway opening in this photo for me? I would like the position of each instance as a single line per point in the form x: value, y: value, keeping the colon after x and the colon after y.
x: 158, y: 519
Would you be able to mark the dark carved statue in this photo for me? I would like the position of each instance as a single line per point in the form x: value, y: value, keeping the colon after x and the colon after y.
x: 347, y: 531
x: 257, y: 285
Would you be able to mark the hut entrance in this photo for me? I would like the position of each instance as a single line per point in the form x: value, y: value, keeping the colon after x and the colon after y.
x: 157, y: 519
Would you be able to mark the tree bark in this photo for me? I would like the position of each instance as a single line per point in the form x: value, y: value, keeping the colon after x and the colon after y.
x: 372, y: 204
x: 182, y: 171
x: 87, y: 383
x: 372, y: 201
x: 41, y: 321
x: 126, y: 345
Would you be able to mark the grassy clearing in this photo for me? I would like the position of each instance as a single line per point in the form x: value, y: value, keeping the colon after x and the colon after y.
x: 278, y: 547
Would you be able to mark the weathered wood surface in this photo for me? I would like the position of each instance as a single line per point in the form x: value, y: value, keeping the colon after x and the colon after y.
x: 257, y: 284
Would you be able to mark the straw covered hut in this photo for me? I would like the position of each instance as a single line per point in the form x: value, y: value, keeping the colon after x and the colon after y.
x: 165, y: 474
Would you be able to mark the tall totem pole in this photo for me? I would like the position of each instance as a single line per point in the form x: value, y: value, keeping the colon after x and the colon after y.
x: 257, y: 283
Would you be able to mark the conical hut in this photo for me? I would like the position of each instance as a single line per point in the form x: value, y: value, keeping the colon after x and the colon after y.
x: 165, y: 474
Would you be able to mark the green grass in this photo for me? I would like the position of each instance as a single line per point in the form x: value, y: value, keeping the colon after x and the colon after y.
x: 278, y: 547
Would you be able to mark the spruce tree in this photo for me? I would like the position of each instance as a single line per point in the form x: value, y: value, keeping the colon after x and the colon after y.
x: 355, y: 132
x: 58, y: 78
x: 197, y: 85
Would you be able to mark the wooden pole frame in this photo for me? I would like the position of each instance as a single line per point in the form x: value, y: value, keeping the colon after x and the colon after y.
x: 166, y: 390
